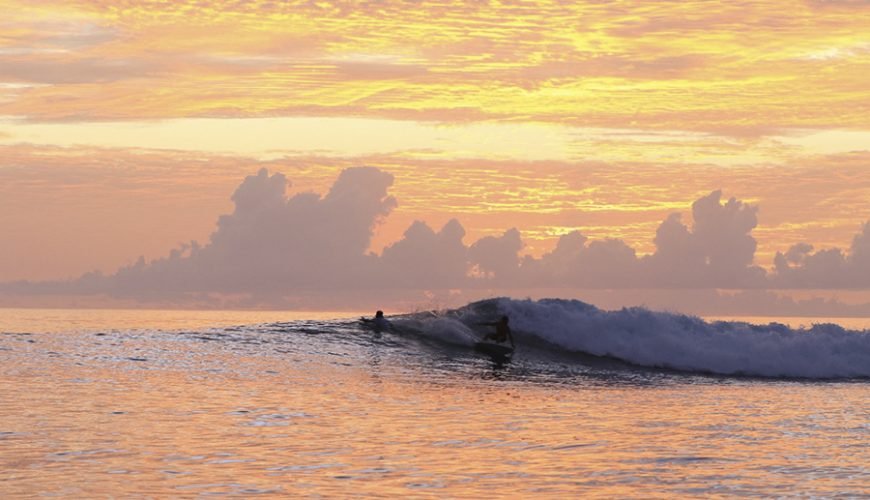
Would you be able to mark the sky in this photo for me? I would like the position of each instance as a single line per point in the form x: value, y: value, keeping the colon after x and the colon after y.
x: 695, y: 155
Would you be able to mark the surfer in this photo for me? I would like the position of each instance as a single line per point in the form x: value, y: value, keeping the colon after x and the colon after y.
x: 379, y: 322
x: 502, y: 331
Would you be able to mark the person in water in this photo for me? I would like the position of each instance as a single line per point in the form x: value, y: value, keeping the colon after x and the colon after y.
x: 380, y: 322
x: 502, y: 331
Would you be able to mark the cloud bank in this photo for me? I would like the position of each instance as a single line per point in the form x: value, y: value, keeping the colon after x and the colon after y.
x: 801, y: 267
x: 273, y: 245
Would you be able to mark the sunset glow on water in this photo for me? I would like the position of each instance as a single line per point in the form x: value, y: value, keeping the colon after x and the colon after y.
x: 320, y: 407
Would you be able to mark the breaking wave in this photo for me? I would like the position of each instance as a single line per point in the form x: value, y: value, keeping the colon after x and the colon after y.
x: 664, y: 340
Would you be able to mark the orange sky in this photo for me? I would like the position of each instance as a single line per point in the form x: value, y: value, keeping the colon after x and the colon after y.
x: 125, y: 126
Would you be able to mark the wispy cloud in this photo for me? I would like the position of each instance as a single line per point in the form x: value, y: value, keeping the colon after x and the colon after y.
x: 667, y: 65
x: 358, y: 136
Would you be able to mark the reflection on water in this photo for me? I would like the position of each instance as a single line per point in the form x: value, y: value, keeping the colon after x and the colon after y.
x: 66, y: 320
x: 288, y: 409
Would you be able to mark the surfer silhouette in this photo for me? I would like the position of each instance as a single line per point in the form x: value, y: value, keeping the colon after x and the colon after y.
x: 379, y: 322
x: 502, y: 331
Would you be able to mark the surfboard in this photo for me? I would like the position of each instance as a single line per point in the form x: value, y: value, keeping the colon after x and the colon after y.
x: 493, y: 349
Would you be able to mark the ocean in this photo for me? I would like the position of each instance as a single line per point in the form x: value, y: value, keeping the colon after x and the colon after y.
x: 629, y: 403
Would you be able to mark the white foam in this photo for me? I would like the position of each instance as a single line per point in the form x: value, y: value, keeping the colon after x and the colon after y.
x: 442, y: 328
x: 660, y: 339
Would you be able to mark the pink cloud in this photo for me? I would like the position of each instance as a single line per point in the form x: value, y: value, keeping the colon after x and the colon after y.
x: 271, y: 246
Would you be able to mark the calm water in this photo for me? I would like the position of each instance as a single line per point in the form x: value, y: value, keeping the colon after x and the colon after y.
x: 169, y: 403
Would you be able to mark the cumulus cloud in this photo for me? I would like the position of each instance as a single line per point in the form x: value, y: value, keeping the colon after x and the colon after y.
x: 575, y: 261
x: 272, y: 246
x: 718, y: 251
x: 424, y: 258
x: 801, y: 267
x: 497, y: 257
x: 272, y: 243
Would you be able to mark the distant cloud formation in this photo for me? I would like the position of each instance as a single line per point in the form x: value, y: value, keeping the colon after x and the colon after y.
x: 423, y: 256
x: 717, y: 252
x: 497, y: 257
x: 606, y: 263
x: 273, y: 245
x: 801, y: 267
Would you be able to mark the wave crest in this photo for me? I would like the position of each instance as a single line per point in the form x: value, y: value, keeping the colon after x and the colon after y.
x: 675, y: 341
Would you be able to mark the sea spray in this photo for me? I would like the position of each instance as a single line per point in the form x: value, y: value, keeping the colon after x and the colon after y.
x: 669, y: 340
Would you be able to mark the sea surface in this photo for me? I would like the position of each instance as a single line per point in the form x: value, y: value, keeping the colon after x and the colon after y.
x: 594, y: 404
